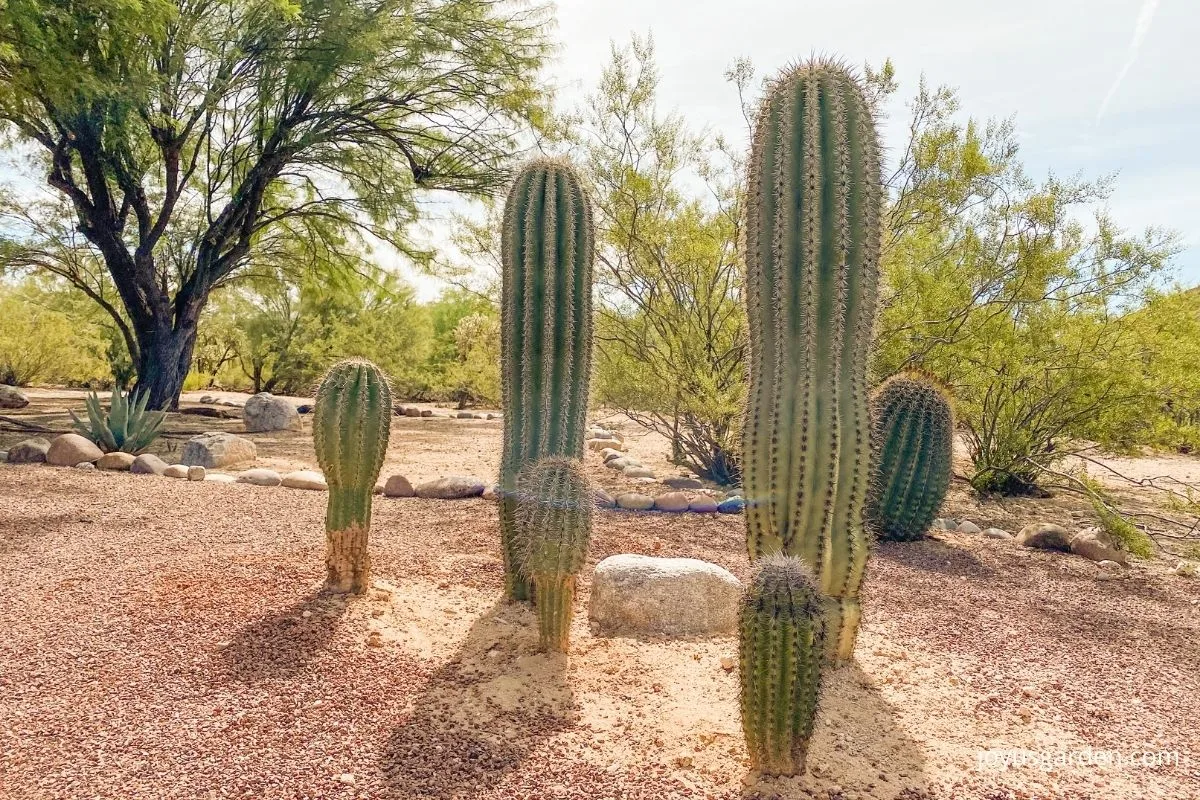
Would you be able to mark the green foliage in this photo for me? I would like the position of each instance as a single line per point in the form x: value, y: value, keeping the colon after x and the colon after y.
x: 127, y: 427
x: 781, y: 646
x: 913, y: 444
x: 546, y: 345
x: 351, y: 424
x: 812, y: 230
x: 42, y: 341
x: 553, y: 519
x: 1121, y: 530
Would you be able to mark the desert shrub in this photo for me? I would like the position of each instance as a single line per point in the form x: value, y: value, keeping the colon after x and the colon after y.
x: 41, y: 344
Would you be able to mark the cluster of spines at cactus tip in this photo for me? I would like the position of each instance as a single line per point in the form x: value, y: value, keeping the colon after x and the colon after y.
x: 548, y: 243
x: 813, y: 237
x: 553, y: 526
x: 913, y: 422
x: 351, y: 426
x: 781, y: 633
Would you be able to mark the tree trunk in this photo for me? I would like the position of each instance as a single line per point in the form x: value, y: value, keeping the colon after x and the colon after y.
x: 165, y: 358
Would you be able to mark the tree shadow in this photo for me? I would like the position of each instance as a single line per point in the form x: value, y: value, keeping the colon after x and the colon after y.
x: 482, y: 712
x: 284, y: 642
x: 858, y: 746
x: 935, y: 555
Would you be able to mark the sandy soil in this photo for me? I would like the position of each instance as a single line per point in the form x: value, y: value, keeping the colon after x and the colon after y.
x: 161, y: 638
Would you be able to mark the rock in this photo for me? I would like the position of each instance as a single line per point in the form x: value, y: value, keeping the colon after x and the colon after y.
x: 683, y: 483
x: 304, y: 409
x: 397, y: 486
x: 346, y: 778
x: 464, y: 415
x: 728, y: 663
x: 219, y: 477
x: 148, y: 464
x: 1111, y: 567
x: 412, y: 411
x: 216, y: 450
x: 12, y: 397
x: 197, y: 474
x: 208, y: 399
x: 609, y: 453
x: 632, y: 501
x: 604, y: 499
x: 674, y: 502
x: 997, y: 533
x: 176, y: 471
x: 69, y: 449
x: 231, y: 403
x: 85, y: 465
x: 115, y: 461
x: 454, y: 487
x: 493, y: 416
x: 704, y: 505
x: 635, y: 594
x: 622, y: 463
x: 305, y: 479
x: 30, y: 451
x: 492, y: 492
x: 944, y: 524
x: 1097, y: 545
x: 426, y: 412
x: 1186, y: 569
x: 966, y: 526
x: 638, y: 472
x: 266, y: 412
x: 260, y: 477
x: 598, y: 445
x: 1045, y: 536
x: 600, y: 434
x: 732, y: 505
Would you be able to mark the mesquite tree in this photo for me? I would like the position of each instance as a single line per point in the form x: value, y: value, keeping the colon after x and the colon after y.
x: 183, y: 137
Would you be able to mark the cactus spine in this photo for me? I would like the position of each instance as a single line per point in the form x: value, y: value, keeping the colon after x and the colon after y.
x: 546, y: 344
x: 781, y: 632
x: 351, y: 424
x: 914, y: 440
x: 553, y: 526
x: 812, y: 252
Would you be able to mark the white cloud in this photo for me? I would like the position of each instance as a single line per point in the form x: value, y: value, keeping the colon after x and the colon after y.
x: 1140, y: 29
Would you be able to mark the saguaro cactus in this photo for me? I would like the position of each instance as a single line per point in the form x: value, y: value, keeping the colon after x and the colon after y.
x: 351, y: 423
x: 781, y: 632
x: 812, y: 252
x: 553, y: 526
x: 546, y: 342
x: 914, y: 440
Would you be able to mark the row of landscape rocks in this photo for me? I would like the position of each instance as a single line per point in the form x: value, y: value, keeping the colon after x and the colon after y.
x: 1091, y: 543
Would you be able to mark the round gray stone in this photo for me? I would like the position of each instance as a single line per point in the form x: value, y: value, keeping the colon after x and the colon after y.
x: 636, y: 594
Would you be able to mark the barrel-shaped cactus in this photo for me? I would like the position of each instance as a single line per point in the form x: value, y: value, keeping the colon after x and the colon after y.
x: 812, y: 251
x: 914, y: 440
x: 351, y: 424
x: 553, y: 526
x: 781, y: 641
x: 547, y: 245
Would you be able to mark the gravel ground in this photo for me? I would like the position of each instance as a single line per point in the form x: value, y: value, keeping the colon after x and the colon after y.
x: 161, y: 638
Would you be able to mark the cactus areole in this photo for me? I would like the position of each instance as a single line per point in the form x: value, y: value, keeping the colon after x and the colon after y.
x: 546, y: 342
x: 351, y: 424
x: 812, y: 252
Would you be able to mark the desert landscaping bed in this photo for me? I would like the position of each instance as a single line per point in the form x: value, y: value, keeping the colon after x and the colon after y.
x: 161, y: 638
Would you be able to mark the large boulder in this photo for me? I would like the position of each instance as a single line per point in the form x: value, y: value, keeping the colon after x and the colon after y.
x: 12, y: 397
x: 672, y: 501
x: 634, y: 594
x: 30, y: 451
x: 115, y: 461
x: 683, y: 482
x: 179, y: 471
x: 148, y: 464
x: 1097, y: 545
x: 305, y: 479
x: 397, y: 486
x: 260, y: 477
x: 1045, y: 536
x: 71, y: 449
x: 216, y: 450
x: 635, y: 501
x: 266, y: 412
x: 454, y: 487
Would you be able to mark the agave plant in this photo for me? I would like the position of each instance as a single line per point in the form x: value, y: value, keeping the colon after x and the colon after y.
x: 127, y: 427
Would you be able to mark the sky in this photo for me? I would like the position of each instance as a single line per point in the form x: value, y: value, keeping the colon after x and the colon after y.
x: 1096, y: 87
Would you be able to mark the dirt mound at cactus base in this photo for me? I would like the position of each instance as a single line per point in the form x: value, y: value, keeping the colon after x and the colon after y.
x: 169, y: 643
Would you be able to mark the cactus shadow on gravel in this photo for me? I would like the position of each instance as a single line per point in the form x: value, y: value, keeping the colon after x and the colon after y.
x: 482, y: 712
x: 857, y: 741
x: 284, y: 642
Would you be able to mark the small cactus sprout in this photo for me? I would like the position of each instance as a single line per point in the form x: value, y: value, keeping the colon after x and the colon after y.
x: 781, y: 629
x: 913, y: 440
x: 351, y: 424
x: 813, y: 200
x: 553, y: 524
x: 547, y: 246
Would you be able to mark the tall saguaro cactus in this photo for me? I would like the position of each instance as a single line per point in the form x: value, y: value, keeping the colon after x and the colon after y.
x: 351, y: 424
x: 914, y: 442
x: 546, y: 342
x: 781, y: 642
x: 554, y: 523
x: 812, y: 252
